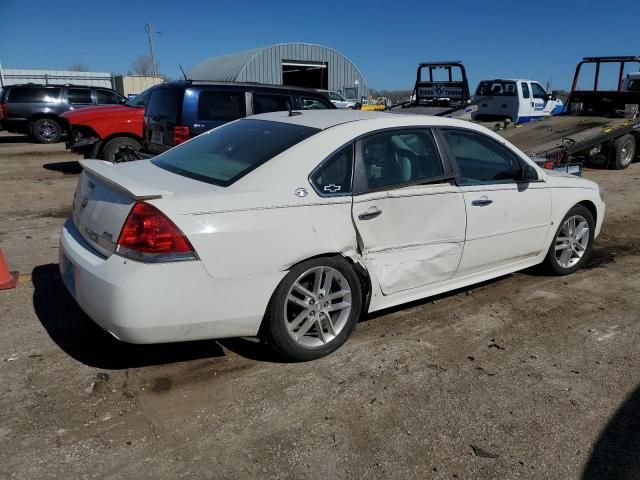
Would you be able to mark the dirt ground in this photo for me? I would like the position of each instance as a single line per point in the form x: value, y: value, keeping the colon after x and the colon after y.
x: 527, y: 376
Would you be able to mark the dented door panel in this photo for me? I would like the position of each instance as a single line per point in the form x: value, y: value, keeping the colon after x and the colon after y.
x: 416, y: 239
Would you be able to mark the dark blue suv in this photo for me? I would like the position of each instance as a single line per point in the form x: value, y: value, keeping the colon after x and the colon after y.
x: 178, y: 111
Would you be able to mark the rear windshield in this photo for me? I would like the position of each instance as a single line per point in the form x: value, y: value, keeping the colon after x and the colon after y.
x: 163, y: 104
x: 497, y: 88
x: 225, y: 154
x: 33, y: 95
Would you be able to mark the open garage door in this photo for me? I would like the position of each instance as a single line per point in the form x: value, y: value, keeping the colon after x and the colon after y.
x: 305, y: 74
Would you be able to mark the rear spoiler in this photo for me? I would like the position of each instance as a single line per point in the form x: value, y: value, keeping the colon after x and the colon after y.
x: 115, y: 177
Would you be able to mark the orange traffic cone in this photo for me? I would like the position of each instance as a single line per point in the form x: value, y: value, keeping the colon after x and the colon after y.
x: 7, y: 279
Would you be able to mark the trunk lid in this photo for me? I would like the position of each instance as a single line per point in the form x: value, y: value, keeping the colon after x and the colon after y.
x: 106, y: 192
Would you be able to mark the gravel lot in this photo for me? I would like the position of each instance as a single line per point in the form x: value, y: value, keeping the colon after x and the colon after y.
x: 527, y: 376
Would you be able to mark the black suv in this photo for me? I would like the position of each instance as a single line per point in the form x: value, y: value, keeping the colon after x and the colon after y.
x: 178, y: 111
x: 35, y: 109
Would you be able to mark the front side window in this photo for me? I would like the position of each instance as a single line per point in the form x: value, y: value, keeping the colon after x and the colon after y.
x: 525, y: 90
x: 33, y: 95
x: 336, y: 96
x: 105, y: 97
x: 334, y: 175
x: 263, y: 103
x: 399, y: 157
x: 79, y: 96
x: 225, y: 154
x: 538, y: 91
x: 482, y: 160
x: 221, y: 105
x: 634, y: 86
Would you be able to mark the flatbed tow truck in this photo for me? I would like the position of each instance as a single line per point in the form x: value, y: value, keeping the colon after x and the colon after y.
x: 598, y: 126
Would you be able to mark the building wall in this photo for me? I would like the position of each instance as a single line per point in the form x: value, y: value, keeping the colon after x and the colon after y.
x: 13, y: 76
x: 266, y: 65
x: 134, y: 84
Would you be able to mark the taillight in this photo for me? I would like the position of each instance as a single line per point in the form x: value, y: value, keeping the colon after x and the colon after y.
x: 149, y: 236
x: 180, y: 134
x: 548, y: 165
x: 3, y: 111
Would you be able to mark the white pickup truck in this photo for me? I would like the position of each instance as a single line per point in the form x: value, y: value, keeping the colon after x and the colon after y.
x: 520, y: 101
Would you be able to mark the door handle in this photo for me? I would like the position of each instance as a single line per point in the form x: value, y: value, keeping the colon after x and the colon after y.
x: 373, y: 212
x: 482, y: 202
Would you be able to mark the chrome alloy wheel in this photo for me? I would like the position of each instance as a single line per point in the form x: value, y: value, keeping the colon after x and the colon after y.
x: 47, y: 130
x: 626, y: 153
x: 572, y: 241
x: 125, y: 153
x: 317, y: 307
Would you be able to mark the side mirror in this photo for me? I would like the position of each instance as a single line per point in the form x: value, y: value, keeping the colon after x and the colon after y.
x: 530, y: 174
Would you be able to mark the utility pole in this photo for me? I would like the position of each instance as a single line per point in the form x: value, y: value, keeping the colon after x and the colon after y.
x: 149, y: 30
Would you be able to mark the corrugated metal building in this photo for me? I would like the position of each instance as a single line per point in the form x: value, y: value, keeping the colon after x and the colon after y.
x: 295, y: 64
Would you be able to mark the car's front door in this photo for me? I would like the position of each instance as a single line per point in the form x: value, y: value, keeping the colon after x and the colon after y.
x: 409, y: 214
x: 507, y: 218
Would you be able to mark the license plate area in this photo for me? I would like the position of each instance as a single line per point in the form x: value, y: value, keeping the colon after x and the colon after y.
x: 157, y: 136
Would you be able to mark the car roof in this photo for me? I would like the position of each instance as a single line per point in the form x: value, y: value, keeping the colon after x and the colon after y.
x: 265, y: 86
x: 324, y: 119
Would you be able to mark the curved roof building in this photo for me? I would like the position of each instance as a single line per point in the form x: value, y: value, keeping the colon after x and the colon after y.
x: 295, y: 64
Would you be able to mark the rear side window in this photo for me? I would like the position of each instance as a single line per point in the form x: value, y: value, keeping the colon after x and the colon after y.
x: 33, y: 95
x: 481, y: 160
x: 497, y: 88
x: 79, y: 96
x: 313, y: 104
x: 163, y: 104
x: 263, y: 103
x: 333, y: 177
x: 106, y: 97
x: 221, y: 105
x: 223, y: 155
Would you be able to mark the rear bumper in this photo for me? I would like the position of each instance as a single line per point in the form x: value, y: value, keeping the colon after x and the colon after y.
x: 157, y: 303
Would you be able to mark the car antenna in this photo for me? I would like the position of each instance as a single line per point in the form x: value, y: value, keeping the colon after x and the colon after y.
x: 183, y: 74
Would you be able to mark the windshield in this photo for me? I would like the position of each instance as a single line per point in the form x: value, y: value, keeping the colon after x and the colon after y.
x: 227, y: 153
x: 496, y: 88
x: 141, y: 99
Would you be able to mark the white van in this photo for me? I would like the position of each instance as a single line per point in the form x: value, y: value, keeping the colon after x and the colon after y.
x: 520, y: 101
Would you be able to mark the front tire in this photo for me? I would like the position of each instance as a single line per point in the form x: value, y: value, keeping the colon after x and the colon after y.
x: 624, y: 150
x: 121, y: 149
x: 314, y: 310
x: 46, y: 130
x: 572, y: 243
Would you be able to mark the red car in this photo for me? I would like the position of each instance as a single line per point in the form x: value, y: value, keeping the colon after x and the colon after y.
x: 111, y: 132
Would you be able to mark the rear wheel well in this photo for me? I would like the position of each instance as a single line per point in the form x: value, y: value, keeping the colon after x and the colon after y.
x: 361, y: 271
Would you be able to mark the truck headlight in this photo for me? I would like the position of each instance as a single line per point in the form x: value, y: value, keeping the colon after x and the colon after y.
x: 601, y: 192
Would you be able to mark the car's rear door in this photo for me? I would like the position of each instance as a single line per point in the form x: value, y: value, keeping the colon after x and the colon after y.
x: 409, y: 214
x: 161, y: 117
x: 507, y: 218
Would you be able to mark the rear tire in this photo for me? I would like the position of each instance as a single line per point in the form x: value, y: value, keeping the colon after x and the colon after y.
x: 46, y: 130
x: 571, y: 245
x: 121, y: 149
x: 314, y: 310
x: 624, y: 151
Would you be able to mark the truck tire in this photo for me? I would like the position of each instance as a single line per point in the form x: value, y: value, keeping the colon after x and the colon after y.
x: 121, y: 149
x: 46, y: 130
x: 624, y: 151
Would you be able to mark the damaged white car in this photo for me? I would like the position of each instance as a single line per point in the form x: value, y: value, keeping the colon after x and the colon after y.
x: 292, y: 225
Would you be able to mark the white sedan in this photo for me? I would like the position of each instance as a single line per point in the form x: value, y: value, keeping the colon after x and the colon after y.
x: 291, y: 226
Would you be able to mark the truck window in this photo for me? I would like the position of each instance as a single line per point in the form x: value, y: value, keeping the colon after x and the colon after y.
x: 221, y: 105
x: 33, y: 95
x: 538, y: 91
x: 79, y: 96
x: 525, y: 90
x: 634, y: 86
x: 105, y: 97
x: 496, y: 88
